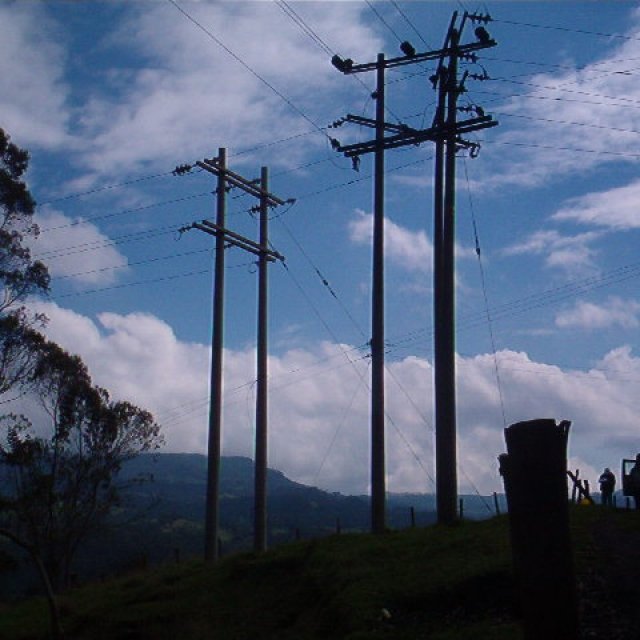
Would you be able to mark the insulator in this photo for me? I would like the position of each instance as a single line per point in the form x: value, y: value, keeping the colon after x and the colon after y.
x: 408, y: 49
x: 483, y: 35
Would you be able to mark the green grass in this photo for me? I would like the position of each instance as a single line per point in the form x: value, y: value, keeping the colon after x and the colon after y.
x: 440, y: 583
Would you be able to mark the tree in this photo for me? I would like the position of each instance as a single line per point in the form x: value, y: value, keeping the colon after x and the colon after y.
x: 63, y: 485
x: 19, y: 346
x: 20, y: 275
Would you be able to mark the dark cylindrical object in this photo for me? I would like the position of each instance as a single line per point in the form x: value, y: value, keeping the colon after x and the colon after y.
x: 378, y: 472
x: 535, y: 478
x: 260, y: 474
x: 212, y: 514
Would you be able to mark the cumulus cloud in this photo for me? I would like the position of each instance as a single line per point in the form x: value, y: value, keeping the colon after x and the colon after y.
x: 613, y: 312
x: 214, y: 76
x: 573, y: 120
x: 410, y: 249
x: 319, y: 402
x: 572, y: 254
x: 617, y: 208
x: 33, y: 93
x: 76, y: 250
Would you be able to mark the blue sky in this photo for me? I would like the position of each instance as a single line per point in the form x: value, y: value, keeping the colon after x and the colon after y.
x: 110, y: 97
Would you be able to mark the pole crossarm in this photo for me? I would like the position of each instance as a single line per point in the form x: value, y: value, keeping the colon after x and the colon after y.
x: 237, y: 240
x: 413, y: 136
x: 348, y: 69
x: 251, y: 187
x: 370, y: 122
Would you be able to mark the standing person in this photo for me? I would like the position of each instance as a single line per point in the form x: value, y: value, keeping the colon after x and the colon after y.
x: 607, y: 485
x: 634, y: 481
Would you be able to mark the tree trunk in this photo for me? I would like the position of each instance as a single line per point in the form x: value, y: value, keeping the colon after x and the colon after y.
x: 54, y: 613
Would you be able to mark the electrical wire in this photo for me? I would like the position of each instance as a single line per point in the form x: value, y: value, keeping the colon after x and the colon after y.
x: 486, y: 297
x: 410, y: 23
x: 566, y: 29
x: 250, y: 69
x: 304, y: 27
x: 382, y: 20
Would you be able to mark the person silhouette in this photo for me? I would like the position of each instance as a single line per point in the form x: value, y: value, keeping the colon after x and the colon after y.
x: 607, y: 482
x: 634, y: 481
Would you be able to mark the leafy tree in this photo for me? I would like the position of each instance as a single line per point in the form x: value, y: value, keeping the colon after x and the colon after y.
x: 19, y: 346
x: 63, y: 485
x: 20, y: 275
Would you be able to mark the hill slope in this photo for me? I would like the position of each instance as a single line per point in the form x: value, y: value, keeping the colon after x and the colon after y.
x: 437, y: 583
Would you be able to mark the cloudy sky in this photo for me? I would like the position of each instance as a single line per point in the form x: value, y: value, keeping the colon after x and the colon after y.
x: 109, y: 97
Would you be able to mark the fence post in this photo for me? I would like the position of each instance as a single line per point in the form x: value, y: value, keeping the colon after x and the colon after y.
x: 412, y: 513
x: 496, y: 503
x: 534, y: 471
x: 461, y: 509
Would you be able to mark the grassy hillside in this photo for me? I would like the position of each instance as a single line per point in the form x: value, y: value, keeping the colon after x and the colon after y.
x: 440, y: 583
x: 445, y: 581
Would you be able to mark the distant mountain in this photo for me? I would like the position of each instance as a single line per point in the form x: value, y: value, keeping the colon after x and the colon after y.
x: 163, y: 520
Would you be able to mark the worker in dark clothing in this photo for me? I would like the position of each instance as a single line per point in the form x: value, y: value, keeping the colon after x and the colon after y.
x: 607, y: 485
x: 634, y: 481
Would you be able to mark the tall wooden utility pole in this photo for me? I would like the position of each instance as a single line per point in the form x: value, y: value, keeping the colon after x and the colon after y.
x: 378, y: 472
x: 260, y: 474
x: 446, y: 132
x: 444, y: 302
x: 212, y: 508
x: 225, y: 237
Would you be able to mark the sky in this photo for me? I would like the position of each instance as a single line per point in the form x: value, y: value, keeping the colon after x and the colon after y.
x: 109, y: 97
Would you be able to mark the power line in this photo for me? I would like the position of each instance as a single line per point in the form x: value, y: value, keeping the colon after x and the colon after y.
x: 532, y: 145
x: 247, y: 67
x: 484, y: 293
x: 566, y: 122
x: 133, y: 284
x: 116, y: 185
x: 153, y: 205
x: 564, y: 89
x: 410, y: 23
x: 131, y: 264
x: 566, y: 29
x: 304, y: 27
x: 102, y: 244
x: 382, y: 20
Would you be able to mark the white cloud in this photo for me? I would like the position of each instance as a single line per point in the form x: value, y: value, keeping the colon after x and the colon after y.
x: 410, y: 249
x: 572, y: 254
x: 613, y: 312
x: 33, y: 93
x: 184, y: 89
x: 75, y: 249
x: 557, y: 124
x: 319, y: 402
x: 617, y: 208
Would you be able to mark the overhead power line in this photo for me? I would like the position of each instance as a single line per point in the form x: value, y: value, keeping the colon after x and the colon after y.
x: 250, y: 69
x: 585, y: 32
x: 287, y: 9
x: 106, y: 187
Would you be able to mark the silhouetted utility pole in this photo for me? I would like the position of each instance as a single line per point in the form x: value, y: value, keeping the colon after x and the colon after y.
x: 445, y: 132
x: 225, y: 237
x: 447, y: 144
x: 378, y: 479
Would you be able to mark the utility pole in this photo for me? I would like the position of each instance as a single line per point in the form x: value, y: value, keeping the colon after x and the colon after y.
x: 446, y: 132
x: 260, y: 475
x: 225, y: 237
